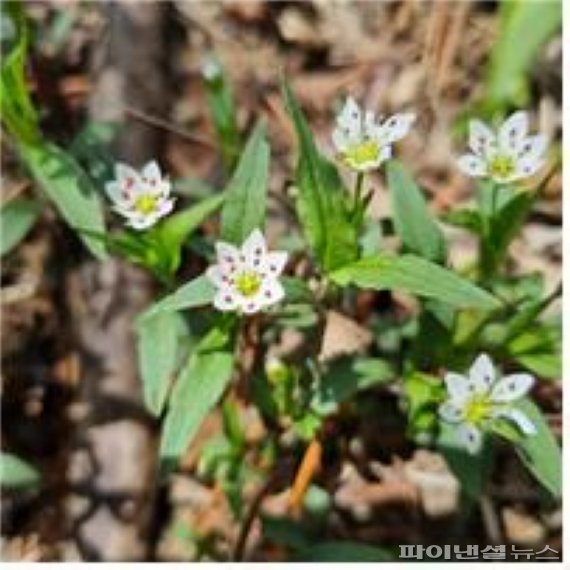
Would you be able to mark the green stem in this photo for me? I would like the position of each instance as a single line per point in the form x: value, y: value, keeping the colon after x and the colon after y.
x: 358, y: 192
x: 488, y: 261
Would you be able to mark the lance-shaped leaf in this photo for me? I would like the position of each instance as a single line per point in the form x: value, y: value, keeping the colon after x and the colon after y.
x: 157, y: 351
x: 321, y: 202
x: 69, y: 188
x: 199, y: 387
x: 16, y: 219
x: 415, y: 275
x: 195, y: 293
x: 246, y: 193
x: 413, y: 221
x: 540, y: 452
x: 174, y: 230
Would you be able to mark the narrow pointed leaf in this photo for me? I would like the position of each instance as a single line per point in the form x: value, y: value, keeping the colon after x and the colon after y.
x: 198, y: 388
x: 17, y: 217
x: 321, y: 202
x: 246, y: 193
x: 69, y: 188
x: 413, y: 221
x: 195, y: 293
x: 157, y: 351
x: 417, y: 276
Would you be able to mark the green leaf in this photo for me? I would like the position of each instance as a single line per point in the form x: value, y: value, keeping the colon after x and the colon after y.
x: 344, y: 551
x: 544, y: 364
x: 246, y: 193
x: 195, y: 293
x: 18, y: 113
x: 297, y: 290
x: 17, y: 217
x: 467, y: 219
x: 69, y: 188
x: 472, y: 471
x: 198, y: 388
x: 414, y: 223
x: 17, y: 473
x: 502, y: 210
x: 222, y: 109
x: 92, y: 148
x: 414, y: 275
x: 321, y: 202
x: 347, y: 376
x: 157, y: 351
x: 512, y: 59
x: 540, y: 453
x: 175, y: 230
x: 423, y: 393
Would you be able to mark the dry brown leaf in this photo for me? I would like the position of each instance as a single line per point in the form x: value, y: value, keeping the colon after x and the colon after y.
x: 342, y: 336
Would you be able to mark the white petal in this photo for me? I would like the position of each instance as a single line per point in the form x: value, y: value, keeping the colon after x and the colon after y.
x: 224, y: 300
x: 228, y: 255
x: 530, y: 156
x: 350, y: 117
x: 128, y: 180
x: 216, y: 275
x: 151, y: 171
x: 126, y: 173
x: 533, y: 147
x: 519, y: 418
x: 472, y: 165
x: 272, y: 292
x: 395, y: 127
x: 249, y: 306
x: 528, y: 167
x: 253, y: 249
x: 340, y: 139
x: 165, y: 207
x: 275, y: 262
x: 349, y: 122
x: 481, y: 138
x: 470, y: 437
x: 385, y: 153
x: 370, y: 127
x: 511, y: 387
x: 117, y: 194
x: 451, y: 412
x: 481, y: 375
x: 139, y: 222
x: 513, y: 131
x: 457, y: 386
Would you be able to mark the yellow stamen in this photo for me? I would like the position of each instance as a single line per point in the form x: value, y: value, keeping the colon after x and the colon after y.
x: 146, y: 204
x: 248, y: 283
x: 362, y: 153
x: 477, y: 409
x: 501, y: 166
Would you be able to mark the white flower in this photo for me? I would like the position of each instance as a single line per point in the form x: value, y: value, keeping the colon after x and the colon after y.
x: 505, y: 156
x: 480, y: 397
x: 142, y: 198
x: 363, y: 143
x: 247, y: 279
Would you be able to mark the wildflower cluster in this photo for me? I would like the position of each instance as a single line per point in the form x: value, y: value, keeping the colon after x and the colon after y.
x: 246, y: 277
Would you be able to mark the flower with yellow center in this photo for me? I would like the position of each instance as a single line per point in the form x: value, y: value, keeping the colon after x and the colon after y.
x: 248, y: 283
x: 142, y: 198
x: 363, y: 143
x: 246, y: 279
x: 504, y: 156
x: 479, y: 398
x: 145, y: 204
